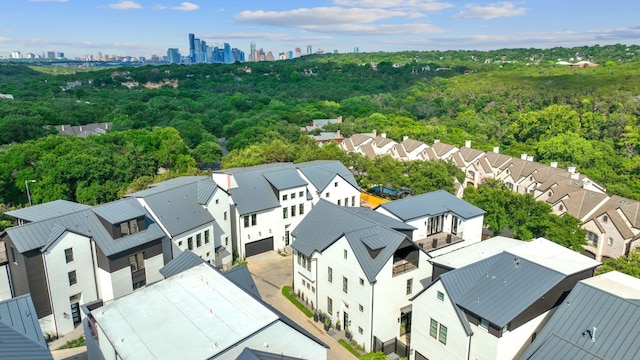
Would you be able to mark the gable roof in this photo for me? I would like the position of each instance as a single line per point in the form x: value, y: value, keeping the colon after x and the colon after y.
x: 608, y: 304
x: 20, y: 333
x: 313, y: 234
x: 475, y: 252
x: 184, y: 261
x: 429, y: 204
x: 252, y: 354
x: 205, y: 187
x: 322, y: 172
x: 47, y: 210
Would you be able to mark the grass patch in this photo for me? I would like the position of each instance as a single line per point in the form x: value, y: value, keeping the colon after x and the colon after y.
x: 286, y: 291
x: 242, y: 263
x: 73, y: 343
x: 370, y: 356
x: 350, y: 348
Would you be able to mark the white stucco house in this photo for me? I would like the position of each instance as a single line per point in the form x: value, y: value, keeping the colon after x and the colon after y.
x: 359, y: 267
x: 494, y: 307
x: 330, y: 180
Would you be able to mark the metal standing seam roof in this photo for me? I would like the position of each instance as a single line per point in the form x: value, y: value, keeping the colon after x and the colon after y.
x: 379, y: 218
x: 178, y: 209
x: 322, y: 172
x: 429, y: 204
x: 284, y: 179
x: 327, y: 222
x: 184, y: 261
x: 565, y: 335
x: 119, y: 211
x: 252, y: 354
x: 47, y: 210
x: 20, y: 333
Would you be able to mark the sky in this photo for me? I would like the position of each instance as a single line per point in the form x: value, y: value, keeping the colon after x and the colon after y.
x: 145, y: 27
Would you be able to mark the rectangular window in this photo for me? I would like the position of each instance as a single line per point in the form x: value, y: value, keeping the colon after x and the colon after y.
x: 190, y: 243
x: 133, y: 226
x: 339, y: 202
x: 206, y: 236
x: 284, y: 197
x: 293, y: 196
x: 301, y: 209
x: 435, y: 224
x: 75, y: 298
x: 329, y: 274
x: 14, y: 258
x: 73, y: 279
x: 353, y: 201
x: 124, y: 228
x: 484, y: 323
x: 344, y: 253
x: 360, y: 330
x: 440, y: 296
x: 345, y: 285
x: 136, y: 262
x: 293, y: 210
x: 361, y: 282
x: 226, y: 241
x: 225, y: 215
x: 329, y: 306
x: 346, y: 201
x: 246, y: 221
x: 443, y: 334
x: 68, y: 255
x: 217, y: 201
x: 254, y: 219
x: 360, y: 307
x: 180, y: 243
x: 433, y: 330
x: 610, y: 241
x: 326, y: 195
x: 198, y: 240
x: 335, y: 184
x: 300, y: 193
x: 409, y: 286
x: 285, y: 212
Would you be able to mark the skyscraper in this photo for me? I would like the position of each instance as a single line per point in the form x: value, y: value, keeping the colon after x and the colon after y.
x: 228, y: 56
x: 173, y: 56
x: 252, y: 54
x: 192, y: 49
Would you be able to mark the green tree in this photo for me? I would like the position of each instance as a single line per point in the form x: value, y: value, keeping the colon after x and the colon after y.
x: 628, y: 264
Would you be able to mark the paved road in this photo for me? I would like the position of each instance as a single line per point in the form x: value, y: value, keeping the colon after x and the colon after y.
x: 271, y: 272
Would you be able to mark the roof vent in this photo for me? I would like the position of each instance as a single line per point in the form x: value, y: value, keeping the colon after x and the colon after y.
x: 591, y: 333
x: 516, y: 261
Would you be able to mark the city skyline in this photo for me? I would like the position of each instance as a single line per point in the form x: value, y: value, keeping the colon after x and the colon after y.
x: 150, y: 27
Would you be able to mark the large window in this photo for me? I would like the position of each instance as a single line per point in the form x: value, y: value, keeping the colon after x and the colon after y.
x: 438, y: 331
x: 129, y: 227
x: 68, y: 255
x: 136, y: 262
x: 443, y: 334
x: 198, y: 240
x: 433, y: 330
x: 285, y: 212
x: 301, y: 209
x: 329, y: 306
x: 254, y: 219
x: 190, y: 243
x: 206, y: 236
x: 434, y: 225
x: 293, y: 210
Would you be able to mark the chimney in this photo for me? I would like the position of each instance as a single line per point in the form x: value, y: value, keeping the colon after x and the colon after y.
x: 106, y: 126
x: 339, y: 119
x: 80, y: 128
x: 571, y: 169
x: 496, y: 149
x: 554, y: 164
x: 374, y: 132
x: 435, y: 141
x: 338, y: 133
x: 575, y: 175
x: 384, y: 134
x: 62, y: 127
x: 405, y: 138
x: 523, y: 156
x: 467, y: 143
x: 530, y: 158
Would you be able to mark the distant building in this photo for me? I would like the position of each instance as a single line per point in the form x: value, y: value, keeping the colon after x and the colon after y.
x: 83, y: 130
x: 173, y: 56
x: 192, y: 49
x: 356, y: 50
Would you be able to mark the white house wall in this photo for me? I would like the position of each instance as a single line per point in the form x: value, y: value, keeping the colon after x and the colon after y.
x: 5, y: 287
x: 57, y: 273
x: 152, y: 268
x: 204, y: 251
x: 513, y: 344
x: 105, y: 284
x: 426, y: 307
x: 219, y: 208
x: 337, y: 190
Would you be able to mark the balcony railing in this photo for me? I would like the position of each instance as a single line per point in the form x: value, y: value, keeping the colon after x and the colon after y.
x: 436, y: 241
x: 403, y: 266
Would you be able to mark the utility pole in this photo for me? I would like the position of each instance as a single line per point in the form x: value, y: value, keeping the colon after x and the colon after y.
x: 26, y: 183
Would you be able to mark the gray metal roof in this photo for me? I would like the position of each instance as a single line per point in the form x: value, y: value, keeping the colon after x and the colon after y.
x: 184, y: 261
x: 118, y: 211
x: 429, y: 204
x: 501, y: 287
x: 205, y: 187
x: 36, y: 235
x: 47, y: 210
x: 284, y: 179
x: 327, y: 222
x: 379, y: 218
x: 565, y: 335
x: 254, y: 192
x: 251, y: 354
x: 178, y: 209
x: 20, y: 333
x: 322, y: 172
x: 241, y: 276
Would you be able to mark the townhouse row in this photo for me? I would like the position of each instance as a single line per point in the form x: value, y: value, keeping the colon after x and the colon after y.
x: 612, y: 222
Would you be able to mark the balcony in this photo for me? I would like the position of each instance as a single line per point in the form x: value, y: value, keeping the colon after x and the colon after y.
x: 403, y: 266
x: 437, y: 241
x: 405, y: 260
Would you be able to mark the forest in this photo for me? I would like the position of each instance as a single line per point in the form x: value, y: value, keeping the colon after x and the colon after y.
x: 170, y: 118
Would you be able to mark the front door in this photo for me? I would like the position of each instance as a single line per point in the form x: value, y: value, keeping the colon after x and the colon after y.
x: 345, y: 319
x: 75, y: 313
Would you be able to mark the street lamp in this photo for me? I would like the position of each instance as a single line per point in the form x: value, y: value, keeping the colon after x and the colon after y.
x: 26, y: 184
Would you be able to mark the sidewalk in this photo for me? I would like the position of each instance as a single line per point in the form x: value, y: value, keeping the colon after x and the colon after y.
x: 74, y: 334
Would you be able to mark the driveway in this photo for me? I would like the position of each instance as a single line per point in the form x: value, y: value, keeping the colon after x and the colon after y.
x: 271, y: 272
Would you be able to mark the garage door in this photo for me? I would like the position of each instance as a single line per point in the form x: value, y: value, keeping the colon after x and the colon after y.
x: 258, y: 247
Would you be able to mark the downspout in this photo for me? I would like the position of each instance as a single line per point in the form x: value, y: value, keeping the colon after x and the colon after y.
x: 53, y: 312
x: 371, y: 325
x: 469, y: 347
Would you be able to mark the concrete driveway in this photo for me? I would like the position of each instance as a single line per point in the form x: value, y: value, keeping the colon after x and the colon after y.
x: 271, y: 272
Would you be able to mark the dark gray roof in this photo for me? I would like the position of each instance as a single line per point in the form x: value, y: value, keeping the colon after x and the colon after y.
x: 255, y: 192
x: 565, y: 335
x: 184, y: 261
x: 37, y: 235
x: 119, y: 211
x: 20, y: 333
x: 327, y: 222
x: 501, y: 287
x: 178, y: 209
x: 251, y: 354
x: 321, y: 172
x: 429, y: 204
x: 47, y: 210
x: 381, y: 219
x: 205, y: 187
x: 241, y: 276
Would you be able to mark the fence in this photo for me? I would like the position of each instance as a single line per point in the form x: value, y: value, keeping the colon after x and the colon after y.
x: 390, y: 347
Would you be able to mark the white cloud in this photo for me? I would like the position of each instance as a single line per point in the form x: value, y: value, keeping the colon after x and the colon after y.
x: 283, y: 37
x: 320, y: 16
x: 186, y: 6
x: 377, y: 29
x: 427, y: 5
x: 125, y: 5
x: 491, y: 11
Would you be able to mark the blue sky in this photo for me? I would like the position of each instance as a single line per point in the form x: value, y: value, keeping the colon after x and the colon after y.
x: 145, y: 27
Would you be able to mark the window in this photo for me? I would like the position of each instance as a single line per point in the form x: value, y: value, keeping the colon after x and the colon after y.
x: 344, y: 253
x: 610, y: 241
x: 254, y: 219
x: 561, y: 208
x: 225, y: 215
x: 198, y: 240
x: 129, y: 227
x: 339, y: 202
x: 300, y: 193
x: 75, y: 298
x: 484, y: 324
x: 206, y: 236
x: 136, y: 262
x: 443, y: 334
x: 605, y: 218
x: 293, y: 196
x: 360, y: 331
x: 329, y: 306
x: 217, y: 201
x: 326, y: 195
x: 360, y: 307
x: 226, y: 241
x: 68, y: 255
x: 433, y: 330
x: 285, y: 197
x: 246, y: 221
x: 346, y: 201
x: 301, y: 209
x: 190, y: 243
x: 361, y: 282
x: 14, y: 258
x: 330, y: 274
x: 73, y: 279
x: 313, y: 289
x: 293, y: 210
x: 180, y: 243
x: 440, y: 296
x: 285, y: 212
x: 409, y: 286
x: 345, y: 285
x: 592, y: 238
x: 434, y: 224
x: 353, y: 201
